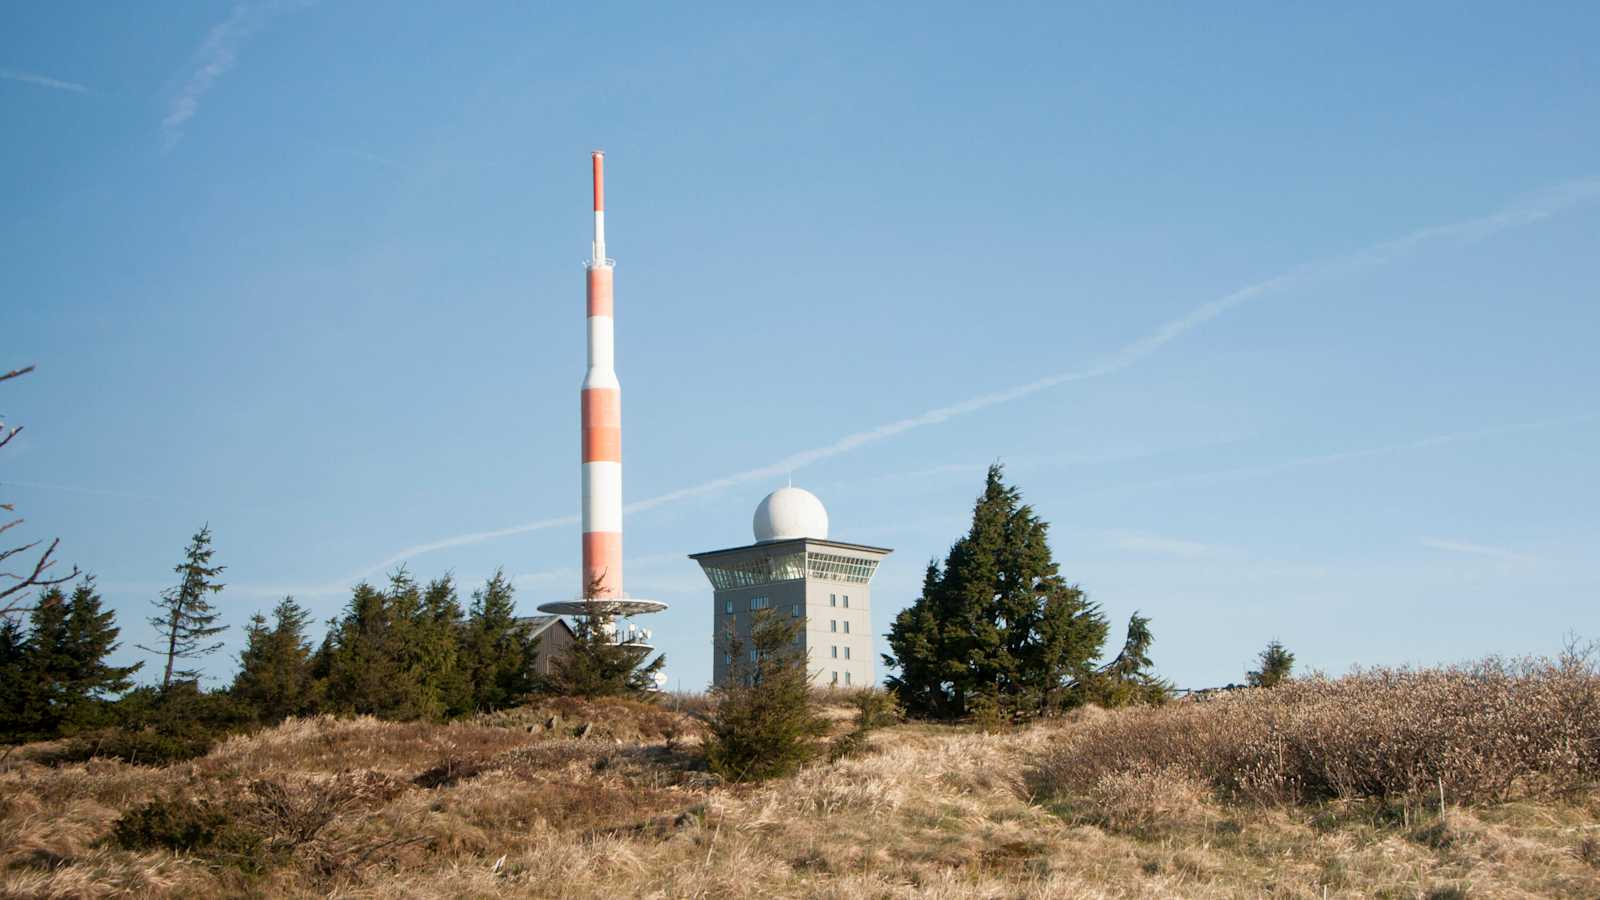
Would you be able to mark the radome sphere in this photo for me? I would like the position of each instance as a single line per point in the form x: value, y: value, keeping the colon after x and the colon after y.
x: 789, y: 513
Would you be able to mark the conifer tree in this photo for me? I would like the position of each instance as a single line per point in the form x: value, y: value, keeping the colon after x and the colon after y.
x: 57, y: 672
x: 274, y: 677
x: 597, y: 665
x: 498, y: 652
x: 1129, y: 678
x: 92, y: 635
x: 185, y: 622
x: 1275, y: 666
x: 764, y: 724
x: 436, y: 640
x: 366, y: 662
x: 13, y: 685
x: 997, y: 621
x: 395, y: 653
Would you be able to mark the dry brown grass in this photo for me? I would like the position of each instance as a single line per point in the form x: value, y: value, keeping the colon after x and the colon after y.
x: 931, y: 812
x: 1485, y: 733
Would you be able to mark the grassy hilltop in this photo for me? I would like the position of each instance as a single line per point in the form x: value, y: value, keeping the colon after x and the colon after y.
x: 1317, y: 788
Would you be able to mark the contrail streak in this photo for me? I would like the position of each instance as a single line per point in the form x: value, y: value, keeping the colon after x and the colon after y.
x: 1526, y: 211
x: 1323, y: 459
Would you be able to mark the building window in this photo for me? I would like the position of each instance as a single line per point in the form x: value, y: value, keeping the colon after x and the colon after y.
x: 846, y: 601
x: 833, y: 624
x: 846, y: 626
x: 727, y: 606
x: 847, y: 678
x: 848, y: 569
x: 833, y: 599
x: 794, y: 611
x: 835, y: 651
x: 759, y: 603
x: 846, y: 652
x: 835, y: 678
x: 755, y: 655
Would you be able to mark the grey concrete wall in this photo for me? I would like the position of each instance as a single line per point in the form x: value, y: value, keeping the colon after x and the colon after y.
x: 837, y: 637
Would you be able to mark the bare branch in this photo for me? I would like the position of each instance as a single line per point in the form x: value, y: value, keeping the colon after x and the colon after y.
x: 14, y: 373
x: 34, y: 579
x: 9, y: 435
x: 7, y: 554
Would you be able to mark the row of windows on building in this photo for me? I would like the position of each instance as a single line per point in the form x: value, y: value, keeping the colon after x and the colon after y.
x: 758, y: 603
x: 846, y: 678
x: 755, y: 655
x: 755, y: 572
x: 796, y: 610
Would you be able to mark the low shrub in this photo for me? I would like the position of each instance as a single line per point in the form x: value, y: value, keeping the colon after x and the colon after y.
x: 147, y: 747
x: 1144, y: 800
x: 875, y: 708
x: 764, y: 724
x: 186, y: 825
x: 1484, y: 732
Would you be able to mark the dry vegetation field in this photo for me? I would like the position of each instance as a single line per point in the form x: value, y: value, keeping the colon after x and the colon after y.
x: 1255, y: 794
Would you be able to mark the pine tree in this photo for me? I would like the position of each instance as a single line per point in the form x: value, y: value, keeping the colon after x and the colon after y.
x: 13, y: 683
x: 437, y: 636
x: 1128, y: 679
x: 274, y: 677
x: 396, y: 653
x: 92, y: 636
x: 997, y: 621
x: 764, y: 724
x: 365, y: 661
x: 57, y: 674
x: 498, y: 652
x: 1276, y: 663
x: 597, y: 665
x: 185, y: 621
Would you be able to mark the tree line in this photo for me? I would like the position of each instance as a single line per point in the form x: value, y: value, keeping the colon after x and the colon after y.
x: 404, y: 650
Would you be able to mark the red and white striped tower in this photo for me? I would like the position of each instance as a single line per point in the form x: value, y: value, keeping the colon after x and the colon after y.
x: 602, y: 421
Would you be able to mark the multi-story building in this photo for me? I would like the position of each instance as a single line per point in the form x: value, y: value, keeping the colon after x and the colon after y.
x: 794, y: 569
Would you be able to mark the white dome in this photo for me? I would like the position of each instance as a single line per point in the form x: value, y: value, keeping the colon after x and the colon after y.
x: 789, y: 513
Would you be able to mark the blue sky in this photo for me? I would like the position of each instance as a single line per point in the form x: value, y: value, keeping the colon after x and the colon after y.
x: 1283, y: 318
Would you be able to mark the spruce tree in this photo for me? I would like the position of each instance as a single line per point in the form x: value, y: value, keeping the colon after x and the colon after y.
x: 58, y: 675
x: 92, y: 635
x: 186, y: 621
x: 498, y: 652
x: 996, y: 621
x: 1275, y: 666
x: 365, y: 660
x: 274, y: 678
x: 437, y: 636
x: 763, y: 724
x: 1129, y: 678
x: 596, y: 665
x: 13, y: 683
x: 396, y: 653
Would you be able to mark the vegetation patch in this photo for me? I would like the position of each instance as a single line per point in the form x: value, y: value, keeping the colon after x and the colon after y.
x: 1481, y: 733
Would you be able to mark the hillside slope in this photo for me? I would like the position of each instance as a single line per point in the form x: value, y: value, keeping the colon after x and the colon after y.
x: 509, y: 807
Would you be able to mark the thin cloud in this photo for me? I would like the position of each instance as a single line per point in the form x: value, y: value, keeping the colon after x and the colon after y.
x: 216, y: 57
x: 1323, y: 459
x: 1524, y: 212
x: 1499, y: 553
x: 1140, y: 542
x: 93, y: 492
x: 43, y: 81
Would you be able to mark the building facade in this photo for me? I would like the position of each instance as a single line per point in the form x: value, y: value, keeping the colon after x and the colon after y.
x: 796, y: 571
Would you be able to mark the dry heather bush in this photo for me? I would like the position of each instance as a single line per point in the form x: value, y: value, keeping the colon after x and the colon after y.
x: 1144, y: 800
x: 1484, y: 732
